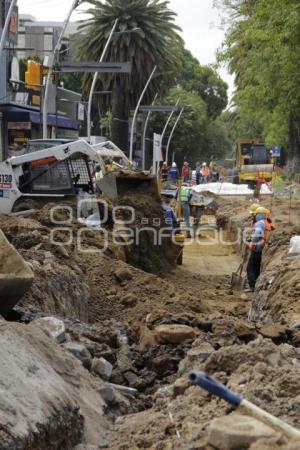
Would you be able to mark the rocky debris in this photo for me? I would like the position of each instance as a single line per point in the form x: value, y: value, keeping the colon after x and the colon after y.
x: 237, y: 432
x: 174, y: 334
x: 276, y: 332
x: 80, y: 352
x: 123, y: 275
x: 102, y: 368
x: 39, y: 376
x: 129, y: 300
x: 195, y: 356
x: 54, y: 327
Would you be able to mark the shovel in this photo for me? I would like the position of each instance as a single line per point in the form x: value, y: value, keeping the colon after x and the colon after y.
x: 215, y: 388
x: 236, y: 278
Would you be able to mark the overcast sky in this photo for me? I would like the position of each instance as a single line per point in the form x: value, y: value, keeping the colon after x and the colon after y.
x: 197, y: 18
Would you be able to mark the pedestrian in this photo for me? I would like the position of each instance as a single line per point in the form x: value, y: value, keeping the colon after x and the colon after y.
x: 261, y: 230
x: 174, y: 173
x: 164, y: 171
x: 185, y: 197
x: 186, y: 172
x: 205, y: 173
x: 198, y: 172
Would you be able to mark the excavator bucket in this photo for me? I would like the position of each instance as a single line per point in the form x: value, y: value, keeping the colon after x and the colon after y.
x: 15, y: 276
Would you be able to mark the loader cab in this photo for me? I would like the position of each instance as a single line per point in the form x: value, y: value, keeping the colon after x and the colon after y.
x: 40, y: 144
x: 51, y: 177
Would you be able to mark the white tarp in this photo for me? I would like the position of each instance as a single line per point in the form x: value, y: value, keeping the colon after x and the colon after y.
x: 230, y: 189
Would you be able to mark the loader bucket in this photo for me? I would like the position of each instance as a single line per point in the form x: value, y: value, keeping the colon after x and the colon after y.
x: 118, y: 184
x: 15, y: 276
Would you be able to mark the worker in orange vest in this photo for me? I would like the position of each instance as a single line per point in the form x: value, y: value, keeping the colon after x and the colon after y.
x: 205, y: 172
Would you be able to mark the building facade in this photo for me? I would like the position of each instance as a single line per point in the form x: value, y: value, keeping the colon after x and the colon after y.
x: 20, y: 105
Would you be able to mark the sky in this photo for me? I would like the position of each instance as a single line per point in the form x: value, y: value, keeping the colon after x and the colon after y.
x: 200, y: 24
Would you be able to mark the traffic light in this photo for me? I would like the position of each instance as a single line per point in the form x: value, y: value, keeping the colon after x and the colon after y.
x: 33, y: 76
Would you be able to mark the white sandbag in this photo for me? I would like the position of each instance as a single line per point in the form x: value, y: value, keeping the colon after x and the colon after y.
x: 295, y: 246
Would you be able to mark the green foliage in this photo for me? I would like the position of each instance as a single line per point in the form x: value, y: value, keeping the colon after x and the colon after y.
x: 72, y: 81
x: 203, y: 80
x: 262, y: 49
x: 144, y: 49
x: 197, y: 137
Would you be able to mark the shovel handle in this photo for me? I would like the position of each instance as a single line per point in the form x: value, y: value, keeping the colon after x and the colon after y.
x: 215, y: 388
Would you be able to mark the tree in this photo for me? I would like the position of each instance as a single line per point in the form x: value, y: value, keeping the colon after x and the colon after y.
x: 145, y: 49
x: 262, y: 49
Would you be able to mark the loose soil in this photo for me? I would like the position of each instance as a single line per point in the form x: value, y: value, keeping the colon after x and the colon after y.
x: 116, y: 308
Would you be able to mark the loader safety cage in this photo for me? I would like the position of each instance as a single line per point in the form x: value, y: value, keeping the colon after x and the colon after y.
x: 57, y: 177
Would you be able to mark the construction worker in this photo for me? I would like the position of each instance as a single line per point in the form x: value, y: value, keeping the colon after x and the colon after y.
x: 174, y: 173
x: 198, y: 173
x: 205, y: 173
x: 252, y: 211
x: 258, y: 241
x: 169, y: 214
x: 164, y: 171
x: 186, y: 172
x: 186, y: 195
x: 97, y: 178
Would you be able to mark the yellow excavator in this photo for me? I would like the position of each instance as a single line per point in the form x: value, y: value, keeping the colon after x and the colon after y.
x: 253, y: 162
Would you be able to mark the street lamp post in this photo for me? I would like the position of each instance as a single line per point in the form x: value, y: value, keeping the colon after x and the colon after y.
x: 6, y: 25
x: 50, y: 70
x: 145, y: 133
x: 136, y: 112
x: 167, y: 124
x: 172, y: 132
x: 95, y: 79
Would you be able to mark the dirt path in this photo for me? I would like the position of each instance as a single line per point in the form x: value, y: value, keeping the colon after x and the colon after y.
x: 210, y: 254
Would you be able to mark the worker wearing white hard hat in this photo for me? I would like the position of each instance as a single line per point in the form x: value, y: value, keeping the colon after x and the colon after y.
x: 174, y: 173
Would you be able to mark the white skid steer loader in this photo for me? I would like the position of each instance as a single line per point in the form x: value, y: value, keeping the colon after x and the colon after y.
x: 49, y: 175
x: 66, y: 171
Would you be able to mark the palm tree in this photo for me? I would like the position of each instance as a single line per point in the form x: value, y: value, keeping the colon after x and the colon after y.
x: 144, y: 49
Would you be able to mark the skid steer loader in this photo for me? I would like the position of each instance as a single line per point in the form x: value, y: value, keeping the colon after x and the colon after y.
x: 63, y: 172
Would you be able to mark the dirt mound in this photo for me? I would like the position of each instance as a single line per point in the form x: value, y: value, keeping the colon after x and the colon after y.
x: 151, y: 251
x: 38, y: 375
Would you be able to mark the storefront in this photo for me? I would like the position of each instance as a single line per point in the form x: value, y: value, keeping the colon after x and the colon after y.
x: 21, y: 124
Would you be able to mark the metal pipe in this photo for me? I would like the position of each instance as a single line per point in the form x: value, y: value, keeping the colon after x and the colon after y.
x: 6, y: 25
x: 172, y: 132
x: 136, y: 112
x: 145, y: 133
x: 50, y: 71
x: 95, y: 79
